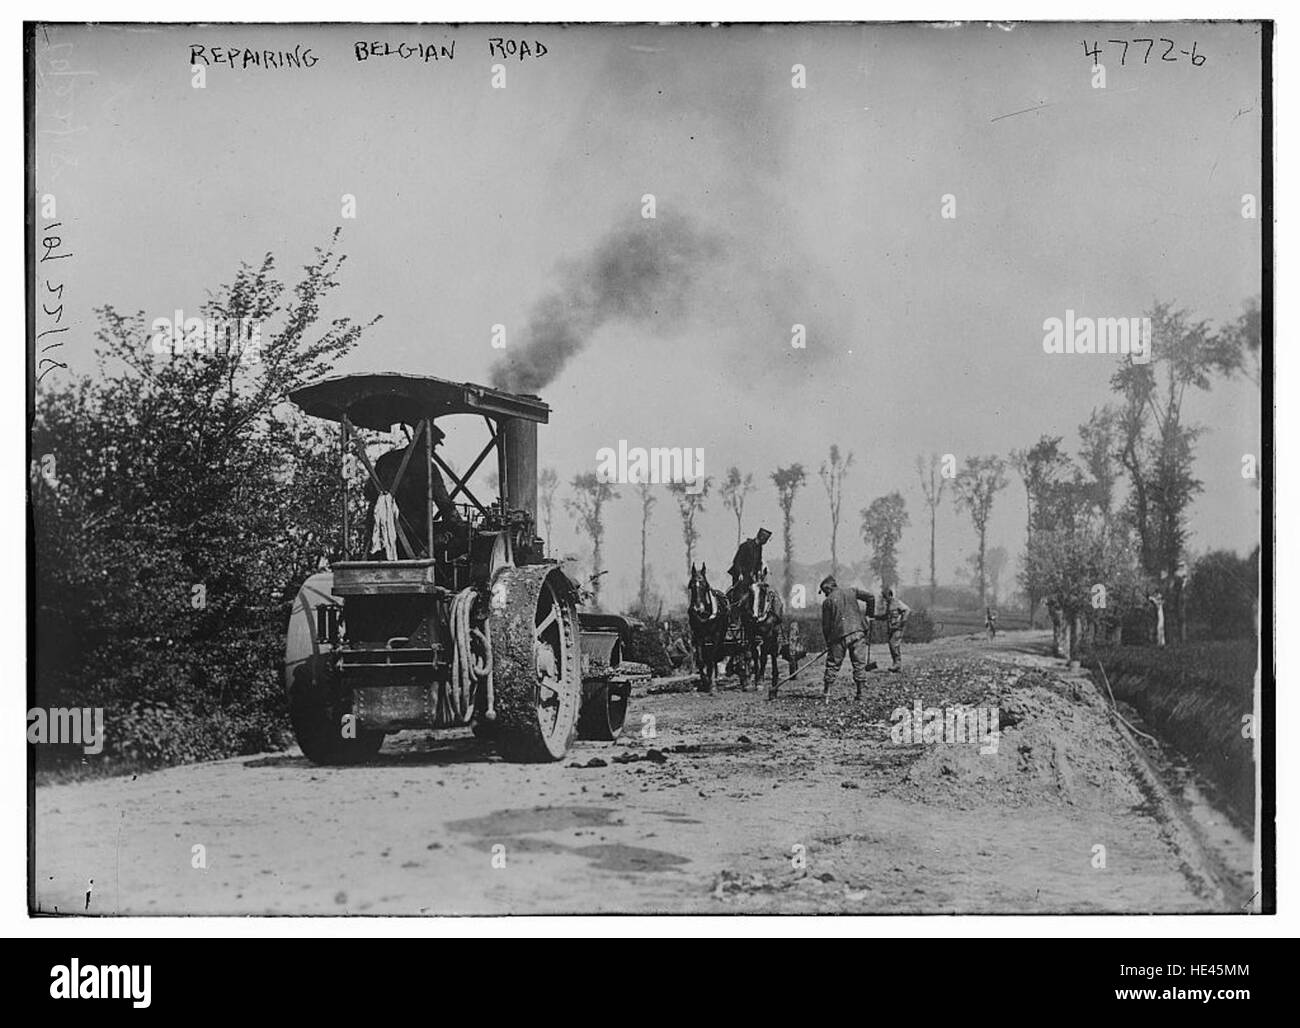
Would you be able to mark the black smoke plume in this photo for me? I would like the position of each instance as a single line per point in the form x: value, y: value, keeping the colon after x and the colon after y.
x: 647, y: 272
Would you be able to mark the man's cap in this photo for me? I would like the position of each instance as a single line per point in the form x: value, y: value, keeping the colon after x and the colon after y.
x: 829, y: 580
x: 765, y: 532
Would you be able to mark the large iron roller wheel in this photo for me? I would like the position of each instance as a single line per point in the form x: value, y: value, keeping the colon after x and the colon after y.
x: 536, y: 673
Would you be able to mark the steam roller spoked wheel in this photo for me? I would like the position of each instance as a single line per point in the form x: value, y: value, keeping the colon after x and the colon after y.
x: 536, y: 674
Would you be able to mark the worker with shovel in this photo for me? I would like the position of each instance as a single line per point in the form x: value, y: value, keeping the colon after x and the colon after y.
x: 845, y: 630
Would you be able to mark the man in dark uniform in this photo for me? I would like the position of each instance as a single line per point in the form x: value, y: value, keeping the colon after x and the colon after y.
x: 845, y: 631
x: 747, y: 562
x: 412, y: 493
x: 745, y: 566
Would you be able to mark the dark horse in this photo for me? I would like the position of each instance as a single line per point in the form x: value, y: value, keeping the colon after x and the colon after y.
x: 763, y: 616
x: 709, y: 614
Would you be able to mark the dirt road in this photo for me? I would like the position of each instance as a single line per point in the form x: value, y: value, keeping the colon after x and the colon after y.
x: 720, y: 803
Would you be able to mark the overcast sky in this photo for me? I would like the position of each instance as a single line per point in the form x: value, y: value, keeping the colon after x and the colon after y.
x: 819, y: 206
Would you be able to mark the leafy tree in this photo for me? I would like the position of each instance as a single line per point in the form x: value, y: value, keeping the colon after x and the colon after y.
x: 1224, y: 594
x: 689, y: 506
x: 1247, y: 333
x: 976, y: 487
x: 1099, y: 454
x: 1077, y: 558
x: 1156, y: 445
x: 587, y: 508
x: 1039, y: 468
x: 1067, y: 566
x: 734, y: 489
x: 882, y: 527
x: 190, y: 502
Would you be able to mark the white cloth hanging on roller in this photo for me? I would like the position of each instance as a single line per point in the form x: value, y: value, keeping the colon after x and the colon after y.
x: 384, y: 536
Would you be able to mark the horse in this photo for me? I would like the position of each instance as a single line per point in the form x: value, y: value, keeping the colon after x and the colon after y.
x: 708, y: 613
x: 762, y: 618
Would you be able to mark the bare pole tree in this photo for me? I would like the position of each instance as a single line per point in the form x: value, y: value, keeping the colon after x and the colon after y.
x: 690, y: 504
x: 832, y: 474
x: 734, y: 489
x: 645, y: 493
x: 587, y: 508
x: 547, y: 483
x: 788, y: 482
x: 976, y: 488
x: 932, y: 486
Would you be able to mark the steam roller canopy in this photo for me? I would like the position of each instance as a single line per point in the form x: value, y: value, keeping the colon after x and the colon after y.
x: 536, y: 670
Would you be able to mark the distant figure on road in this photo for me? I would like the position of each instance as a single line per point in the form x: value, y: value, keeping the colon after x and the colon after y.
x: 845, y: 630
x: 895, y: 615
x: 991, y: 622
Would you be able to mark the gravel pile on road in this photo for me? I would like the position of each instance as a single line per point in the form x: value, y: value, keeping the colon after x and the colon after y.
x: 1054, y: 744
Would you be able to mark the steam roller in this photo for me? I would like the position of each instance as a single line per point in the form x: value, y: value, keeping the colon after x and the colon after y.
x: 452, y: 617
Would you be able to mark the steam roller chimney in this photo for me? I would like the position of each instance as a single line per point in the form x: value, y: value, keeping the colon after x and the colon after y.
x: 520, y: 440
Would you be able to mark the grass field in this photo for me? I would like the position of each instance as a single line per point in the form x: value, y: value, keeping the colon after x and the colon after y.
x: 1195, y: 697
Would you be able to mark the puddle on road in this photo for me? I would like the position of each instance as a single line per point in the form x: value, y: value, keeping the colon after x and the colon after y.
x: 514, y: 828
x: 617, y: 857
x: 535, y: 819
x: 527, y: 844
x: 676, y: 817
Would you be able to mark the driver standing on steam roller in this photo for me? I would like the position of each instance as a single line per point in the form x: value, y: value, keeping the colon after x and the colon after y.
x: 409, y: 503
